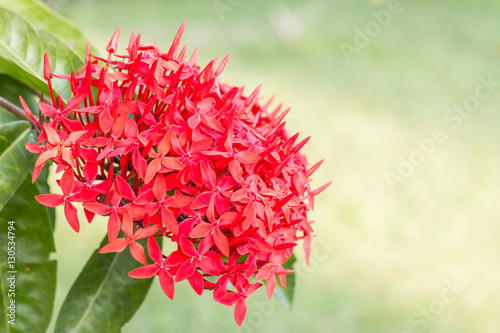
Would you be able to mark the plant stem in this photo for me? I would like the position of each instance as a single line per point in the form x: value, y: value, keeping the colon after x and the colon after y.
x: 43, y: 98
x: 16, y: 110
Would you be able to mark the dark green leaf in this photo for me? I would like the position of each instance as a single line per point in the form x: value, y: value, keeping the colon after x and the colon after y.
x: 43, y: 17
x: 22, y: 47
x: 11, y: 89
x: 35, y: 276
x: 13, y: 135
x: 285, y: 295
x: 103, y: 297
x: 13, y: 157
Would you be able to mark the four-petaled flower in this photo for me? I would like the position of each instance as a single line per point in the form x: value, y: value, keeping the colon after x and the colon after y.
x: 158, y: 268
x: 187, y: 258
x: 243, y: 290
x: 130, y: 240
x: 67, y: 184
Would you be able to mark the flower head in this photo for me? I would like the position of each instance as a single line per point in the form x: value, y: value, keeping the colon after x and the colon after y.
x: 163, y: 149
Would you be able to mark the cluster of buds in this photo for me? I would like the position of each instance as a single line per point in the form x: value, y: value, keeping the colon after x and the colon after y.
x: 164, y: 150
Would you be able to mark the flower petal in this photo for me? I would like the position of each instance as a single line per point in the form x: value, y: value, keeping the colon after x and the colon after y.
x: 105, y: 120
x: 196, y: 282
x: 201, y: 230
x: 186, y: 270
x: 201, y: 200
x: 235, y: 170
x: 47, y: 109
x: 179, y: 201
x: 207, y: 265
x: 144, y: 272
x: 52, y: 135
x: 175, y: 259
x: 246, y: 157
x: 97, y: 208
x: 167, y: 283
x: 139, y: 163
x: 221, y: 242
x: 127, y: 224
x: 146, y: 232
x: 270, y: 285
x: 159, y: 190
x: 84, y: 195
x: 168, y: 219
x: 153, y: 167
x: 117, y: 246
x: 113, y: 227
x: 230, y: 298
x: 154, y: 250
x: 137, y: 252
x: 172, y: 163
x: 50, y: 200
x: 72, y: 216
x: 240, y: 310
x: 264, y: 272
x: 124, y: 189
x: 67, y: 157
x: 187, y: 247
x: 45, y: 156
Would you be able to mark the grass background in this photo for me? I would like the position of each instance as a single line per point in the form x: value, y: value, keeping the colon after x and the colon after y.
x: 383, y: 256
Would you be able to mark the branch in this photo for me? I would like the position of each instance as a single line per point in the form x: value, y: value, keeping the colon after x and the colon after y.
x: 43, y: 98
x: 17, y: 111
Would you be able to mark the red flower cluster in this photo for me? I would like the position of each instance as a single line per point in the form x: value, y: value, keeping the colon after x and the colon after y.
x: 163, y: 149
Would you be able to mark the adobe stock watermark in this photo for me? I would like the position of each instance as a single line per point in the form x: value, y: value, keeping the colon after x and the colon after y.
x: 291, y: 24
x: 321, y: 251
x: 223, y: 6
x: 364, y: 36
x: 11, y: 276
x: 288, y: 23
x: 55, y: 5
x: 453, y: 118
x: 420, y: 320
x: 41, y: 17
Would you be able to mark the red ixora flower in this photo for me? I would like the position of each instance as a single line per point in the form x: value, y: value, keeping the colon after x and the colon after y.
x: 163, y: 149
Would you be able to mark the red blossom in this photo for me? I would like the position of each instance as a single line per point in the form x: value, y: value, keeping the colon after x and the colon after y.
x: 67, y: 187
x: 159, y: 268
x: 243, y: 290
x: 162, y: 149
x: 131, y: 238
x: 187, y: 259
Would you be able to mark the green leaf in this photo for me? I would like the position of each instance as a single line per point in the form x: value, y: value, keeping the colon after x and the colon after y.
x: 43, y: 17
x: 13, y: 135
x: 22, y: 47
x: 11, y: 89
x: 103, y: 297
x: 34, y: 276
x: 13, y: 157
x: 285, y: 295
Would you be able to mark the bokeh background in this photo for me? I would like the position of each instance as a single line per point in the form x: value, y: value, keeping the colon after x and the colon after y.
x: 408, y: 233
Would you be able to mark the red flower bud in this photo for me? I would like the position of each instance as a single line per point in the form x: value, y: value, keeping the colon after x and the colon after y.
x: 47, y: 72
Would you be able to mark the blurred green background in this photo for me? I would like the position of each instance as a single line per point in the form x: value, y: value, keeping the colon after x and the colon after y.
x: 417, y: 253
